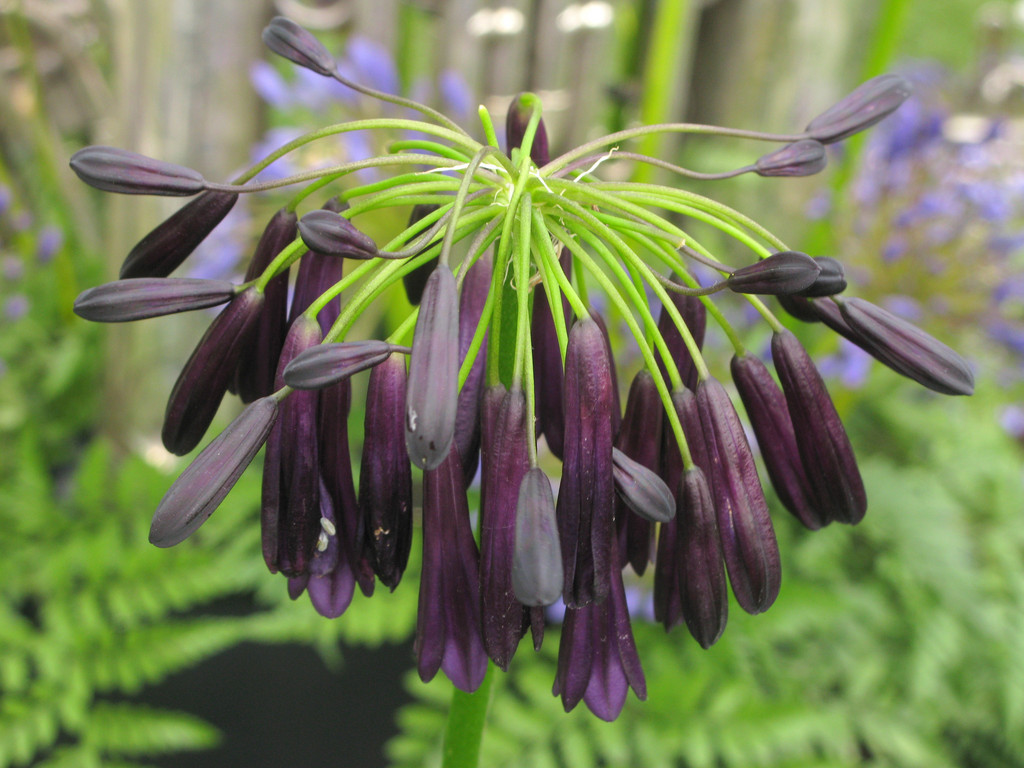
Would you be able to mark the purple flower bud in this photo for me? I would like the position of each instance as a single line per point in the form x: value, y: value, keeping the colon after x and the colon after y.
x: 586, y: 498
x: 825, y: 450
x: 801, y: 158
x: 432, y: 395
x: 165, y: 248
x: 769, y: 416
x: 288, y: 40
x: 318, y: 273
x: 475, y: 288
x: 331, y: 234
x: 537, y: 559
x: 781, y: 273
x: 328, y: 364
x: 830, y: 281
x: 119, y: 170
x: 204, y: 379
x: 861, y: 108
x: 257, y: 366
x: 516, y: 120
x: 385, y: 477
x: 748, y: 539
x: 643, y: 491
x: 145, y: 297
x: 291, y: 469
x: 907, y: 349
x: 694, y: 314
x: 547, y: 364
x: 415, y: 280
x: 801, y: 308
x: 702, y: 588
x: 505, y: 461
x: 639, y: 438
x: 597, y: 657
x: 448, y: 623
x: 206, y: 481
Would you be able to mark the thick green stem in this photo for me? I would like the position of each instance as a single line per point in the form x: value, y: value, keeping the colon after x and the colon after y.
x: 465, y: 729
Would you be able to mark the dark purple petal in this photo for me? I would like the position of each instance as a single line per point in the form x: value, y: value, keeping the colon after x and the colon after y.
x: 586, y: 498
x: 385, y: 476
x: 801, y: 158
x: 861, y: 108
x: 516, y: 120
x: 448, y: 623
x: 415, y: 281
x: 547, y: 364
x: 145, y: 297
x: 475, y: 288
x: 537, y: 559
x: 781, y: 273
x: 331, y: 234
x: 906, y: 348
x: 287, y: 39
x: 830, y: 281
x: 129, y: 173
x: 505, y: 460
x: 330, y: 580
x: 643, y: 491
x: 703, y: 592
x: 748, y: 539
x: 331, y: 594
x: 328, y: 364
x: 694, y: 314
x: 204, y: 379
x: 825, y: 450
x: 432, y: 395
x: 206, y: 481
x: 257, y: 366
x: 165, y: 248
x: 769, y: 416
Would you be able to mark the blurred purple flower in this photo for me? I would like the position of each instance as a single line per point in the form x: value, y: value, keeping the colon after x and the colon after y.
x: 5, y: 198
x: 850, y: 365
x: 50, y: 241
x: 220, y: 255
x: 456, y: 95
x: 16, y: 307
x: 269, y: 84
x: 372, y: 64
x: 13, y: 269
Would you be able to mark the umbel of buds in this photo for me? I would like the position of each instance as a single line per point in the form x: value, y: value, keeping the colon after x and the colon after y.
x: 499, y: 358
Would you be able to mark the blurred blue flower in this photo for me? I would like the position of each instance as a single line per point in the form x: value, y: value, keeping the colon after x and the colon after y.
x: 12, y: 268
x: 49, y: 243
x: 17, y: 307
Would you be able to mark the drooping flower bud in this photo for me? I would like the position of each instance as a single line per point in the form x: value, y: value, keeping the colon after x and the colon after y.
x: 597, y: 657
x: 639, y: 438
x: 207, y: 480
x: 331, y: 234
x: 145, y: 297
x: 432, y: 395
x: 475, y: 288
x: 547, y: 363
x: 801, y: 158
x: 586, y: 497
x: 744, y: 526
x: 288, y: 40
x: 257, y: 366
x: 129, y: 173
x: 643, y: 491
x: 448, y: 622
x: 326, y: 364
x: 781, y: 273
x: 769, y: 416
x: 385, y: 477
x: 861, y: 108
x: 516, y: 120
x: 537, y: 561
x: 415, y: 280
x: 165, y: 248
x: 830, y: 281
x: 801, y: 308
x: 505, y: 461
x: 907, y: 349
x: 694, y: 314
x: 825, y: 450
x: 702, y: 587
x: 204, y: 379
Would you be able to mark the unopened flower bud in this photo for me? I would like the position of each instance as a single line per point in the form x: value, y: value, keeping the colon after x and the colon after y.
x: 432, y: 395
x: 415, y: 280
x: 327, y: 364
x: 287, y: 39
x: 861, y: 108
x: 781, y: 273
x: 702, y: 589
x: 119, y: 170
x: 146, y: 297
x: 537, y: 563
x: 801, y: 158
x: 830, y: 281
x: 694, y: 315
x: 331, y: 234
x: 642, y: 490
x: 516, y: 120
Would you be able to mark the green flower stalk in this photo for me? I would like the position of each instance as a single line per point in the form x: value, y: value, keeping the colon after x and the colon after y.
x: 506, y: 253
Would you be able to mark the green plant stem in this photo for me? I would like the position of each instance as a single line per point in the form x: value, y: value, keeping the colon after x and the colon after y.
x: 465, y: 729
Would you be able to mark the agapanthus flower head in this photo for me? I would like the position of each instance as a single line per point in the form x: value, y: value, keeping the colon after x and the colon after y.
x: 509, y: 260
